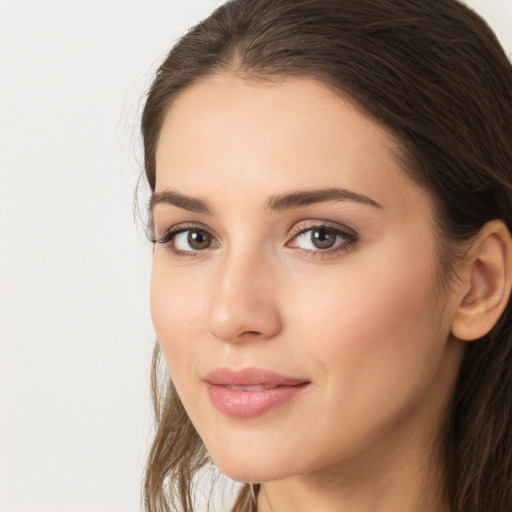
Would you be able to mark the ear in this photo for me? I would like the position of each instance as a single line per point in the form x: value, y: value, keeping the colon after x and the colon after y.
x: 487, y: 282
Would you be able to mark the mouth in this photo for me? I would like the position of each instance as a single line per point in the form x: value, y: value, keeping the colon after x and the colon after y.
x: 251, y: 392
x: 250, y: 388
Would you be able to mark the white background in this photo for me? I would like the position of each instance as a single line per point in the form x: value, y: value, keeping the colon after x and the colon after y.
x: 75, y: 331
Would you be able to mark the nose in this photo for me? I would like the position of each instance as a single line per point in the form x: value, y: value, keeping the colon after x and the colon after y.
x: 243, y: 303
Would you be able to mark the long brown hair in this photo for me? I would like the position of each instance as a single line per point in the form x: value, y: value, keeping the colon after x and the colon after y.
x: 431, y: 72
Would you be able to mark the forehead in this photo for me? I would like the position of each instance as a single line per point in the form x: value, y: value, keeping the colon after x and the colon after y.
x: 228, y: 134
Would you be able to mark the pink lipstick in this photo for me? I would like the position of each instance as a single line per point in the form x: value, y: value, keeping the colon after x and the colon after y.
x: 250, y: 392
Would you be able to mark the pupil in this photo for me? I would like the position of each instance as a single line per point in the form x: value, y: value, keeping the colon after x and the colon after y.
x: 323, y: 238
x: 199, y: 240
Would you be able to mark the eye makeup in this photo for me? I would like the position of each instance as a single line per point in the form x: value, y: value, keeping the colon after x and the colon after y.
x: 313, y: 238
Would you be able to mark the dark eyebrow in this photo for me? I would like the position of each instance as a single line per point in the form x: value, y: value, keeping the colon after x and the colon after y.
x: 307, y: 197
x: 187, y: 203
x: 275, y: 203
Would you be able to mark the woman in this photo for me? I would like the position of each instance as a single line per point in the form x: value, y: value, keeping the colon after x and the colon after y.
x: 331, y: 208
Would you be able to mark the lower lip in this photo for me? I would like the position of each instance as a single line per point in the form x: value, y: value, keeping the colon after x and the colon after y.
x: 249, y: 404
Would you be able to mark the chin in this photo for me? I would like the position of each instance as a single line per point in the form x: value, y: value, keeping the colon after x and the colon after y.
x: 251, y: 471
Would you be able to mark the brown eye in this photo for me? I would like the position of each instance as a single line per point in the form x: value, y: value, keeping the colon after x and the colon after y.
x: 198, y: 240
x: 190, y: 240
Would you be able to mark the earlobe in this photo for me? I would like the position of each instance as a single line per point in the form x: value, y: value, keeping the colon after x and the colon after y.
x: 487, y: 283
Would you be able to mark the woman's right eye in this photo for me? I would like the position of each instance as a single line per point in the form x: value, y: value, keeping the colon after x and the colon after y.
x: 186, y: 241
x: 192, y: 240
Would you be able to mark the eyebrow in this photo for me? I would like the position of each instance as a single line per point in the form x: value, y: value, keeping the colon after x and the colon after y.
x: 307, y: 197
x: 191, y: 204
x: 275, y: 203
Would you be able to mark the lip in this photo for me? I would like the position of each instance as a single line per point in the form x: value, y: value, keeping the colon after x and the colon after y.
x: 250, y: 392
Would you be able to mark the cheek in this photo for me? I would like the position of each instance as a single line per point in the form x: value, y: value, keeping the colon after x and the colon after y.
x: 177, y: 307
x: 370, y: 300
x: 376, y: 333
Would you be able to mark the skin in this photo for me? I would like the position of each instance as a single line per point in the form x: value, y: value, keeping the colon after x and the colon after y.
x: 366, y: 325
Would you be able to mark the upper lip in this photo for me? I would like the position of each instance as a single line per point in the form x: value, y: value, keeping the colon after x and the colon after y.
x: 250, y: 377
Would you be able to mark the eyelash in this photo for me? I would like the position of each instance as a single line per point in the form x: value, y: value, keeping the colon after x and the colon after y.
x: 167, y: 237
x: 350, y: 239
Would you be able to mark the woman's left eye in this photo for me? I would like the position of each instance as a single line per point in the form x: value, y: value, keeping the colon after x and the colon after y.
x: 323, y: 239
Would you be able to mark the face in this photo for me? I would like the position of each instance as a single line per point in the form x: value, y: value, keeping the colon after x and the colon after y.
x: 294, y: 285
